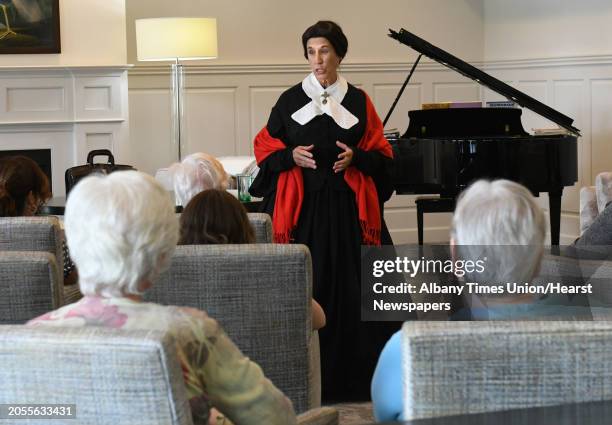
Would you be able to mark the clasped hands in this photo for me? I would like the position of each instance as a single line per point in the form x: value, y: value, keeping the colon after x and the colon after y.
x: 302, y: 156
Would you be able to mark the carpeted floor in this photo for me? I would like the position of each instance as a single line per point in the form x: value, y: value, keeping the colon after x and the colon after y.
x: 355, y: 413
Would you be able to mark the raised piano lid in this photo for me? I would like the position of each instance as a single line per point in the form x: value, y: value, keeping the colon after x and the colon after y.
x: 453, y: 62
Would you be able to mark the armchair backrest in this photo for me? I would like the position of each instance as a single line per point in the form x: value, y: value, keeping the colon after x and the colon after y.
x: 42, y: 233
x: 454, y: 368
x: 32, y: 234
x: 261, y: 295
x: 112, y: 376
x: 262, y: 224
x: 29, y: 285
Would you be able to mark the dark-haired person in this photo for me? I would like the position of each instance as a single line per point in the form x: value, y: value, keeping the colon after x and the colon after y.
x: 23, y: 186
x: 322, y: 156
x: 216, y: 217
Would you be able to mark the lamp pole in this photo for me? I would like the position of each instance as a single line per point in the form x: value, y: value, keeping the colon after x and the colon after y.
x: 178, y: 80
x: 176, y: 39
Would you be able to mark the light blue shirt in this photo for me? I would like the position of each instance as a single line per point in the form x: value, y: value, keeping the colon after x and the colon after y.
x: 387, y: 391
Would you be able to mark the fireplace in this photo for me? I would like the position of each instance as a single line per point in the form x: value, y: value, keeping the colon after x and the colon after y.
x: 63, y: 113
x: 41, y: 156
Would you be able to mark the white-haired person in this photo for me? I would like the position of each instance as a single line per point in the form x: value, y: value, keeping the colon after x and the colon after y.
x: 500, y: 221
x: 196, y: 173
x: 122, y: 232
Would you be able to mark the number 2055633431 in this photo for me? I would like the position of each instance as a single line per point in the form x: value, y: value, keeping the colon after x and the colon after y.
x: 37, y: 411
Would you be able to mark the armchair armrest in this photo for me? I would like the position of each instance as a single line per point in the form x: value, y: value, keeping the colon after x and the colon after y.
x: 319, y: 416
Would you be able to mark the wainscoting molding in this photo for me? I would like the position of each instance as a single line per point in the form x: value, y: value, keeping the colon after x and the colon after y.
x: 68, y: 110
x: 227, y: 104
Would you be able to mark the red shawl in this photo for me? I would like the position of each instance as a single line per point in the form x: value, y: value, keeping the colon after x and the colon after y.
x: 290, y: 187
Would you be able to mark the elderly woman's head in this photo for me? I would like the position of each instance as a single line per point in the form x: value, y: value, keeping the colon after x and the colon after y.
x: 502, y: 220
x: 196, y: 173
x: 121, y: 230
x: 23, y: 186
x: 325, y: 45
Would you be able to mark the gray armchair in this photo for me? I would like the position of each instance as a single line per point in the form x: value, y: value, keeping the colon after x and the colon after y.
x: 262, y: 224
x: 32, y: 234
x: 38, y: 234
x: 113, y: 377
x: 261, y: 294
x: 29, y: 285
x: 593, y: 199
x: 454, y: 368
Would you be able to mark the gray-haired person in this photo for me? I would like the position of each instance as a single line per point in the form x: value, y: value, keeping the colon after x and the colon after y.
x: 499, y: 221
x: 122, y: 231
x: 196, y: 173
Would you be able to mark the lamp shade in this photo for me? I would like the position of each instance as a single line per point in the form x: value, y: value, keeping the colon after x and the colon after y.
x: 160, y: 39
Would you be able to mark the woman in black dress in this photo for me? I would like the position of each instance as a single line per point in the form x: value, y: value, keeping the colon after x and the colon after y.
x: 322, y: 159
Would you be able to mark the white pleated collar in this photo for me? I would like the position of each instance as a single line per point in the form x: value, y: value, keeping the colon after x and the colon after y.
x: 325, y: 101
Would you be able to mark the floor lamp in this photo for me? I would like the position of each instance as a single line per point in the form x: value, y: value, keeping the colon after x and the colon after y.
x: 176, y: 39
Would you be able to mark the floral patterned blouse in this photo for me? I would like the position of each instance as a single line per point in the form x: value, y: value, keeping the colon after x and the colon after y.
x: 216, y: 373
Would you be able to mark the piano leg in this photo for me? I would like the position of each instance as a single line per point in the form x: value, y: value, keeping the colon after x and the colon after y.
x: 554, y: 206
x: 420, y: 225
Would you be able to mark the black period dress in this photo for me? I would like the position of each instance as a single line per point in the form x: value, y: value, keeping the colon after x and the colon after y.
x: 329, y: 225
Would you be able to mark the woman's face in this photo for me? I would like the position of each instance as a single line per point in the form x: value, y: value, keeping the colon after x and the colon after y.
x: 323, y: 60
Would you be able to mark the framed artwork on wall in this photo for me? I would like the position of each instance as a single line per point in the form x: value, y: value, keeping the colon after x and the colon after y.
x: 29, y: 26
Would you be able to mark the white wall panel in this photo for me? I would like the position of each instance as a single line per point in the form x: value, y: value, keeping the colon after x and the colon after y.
x: 570, y: 99
x: 383, y: 97
x: 150, y: 134
x: 35, y: 99
x: 539, y: 91
x: 67, y: 110
x: 99, y: 141
x: 456, y: 92
x: 97, y: 98
x: 262, y: 99
x: 601, y: 125
x: 211, y: 121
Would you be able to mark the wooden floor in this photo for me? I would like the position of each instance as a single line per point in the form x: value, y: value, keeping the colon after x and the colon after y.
x: 355, y: 413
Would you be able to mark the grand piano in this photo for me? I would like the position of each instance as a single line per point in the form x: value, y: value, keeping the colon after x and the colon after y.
x: 444, y: 150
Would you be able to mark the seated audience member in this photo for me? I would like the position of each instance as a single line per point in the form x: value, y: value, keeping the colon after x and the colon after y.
x: 196, y: 173
x: 216, y: 217
x: 599, y: 233
x: 502, y: 221
x: 23, y: 186
x: 122, y: 230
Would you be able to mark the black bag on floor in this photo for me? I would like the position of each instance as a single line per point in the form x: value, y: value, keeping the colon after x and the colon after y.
x: 74, y: 174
